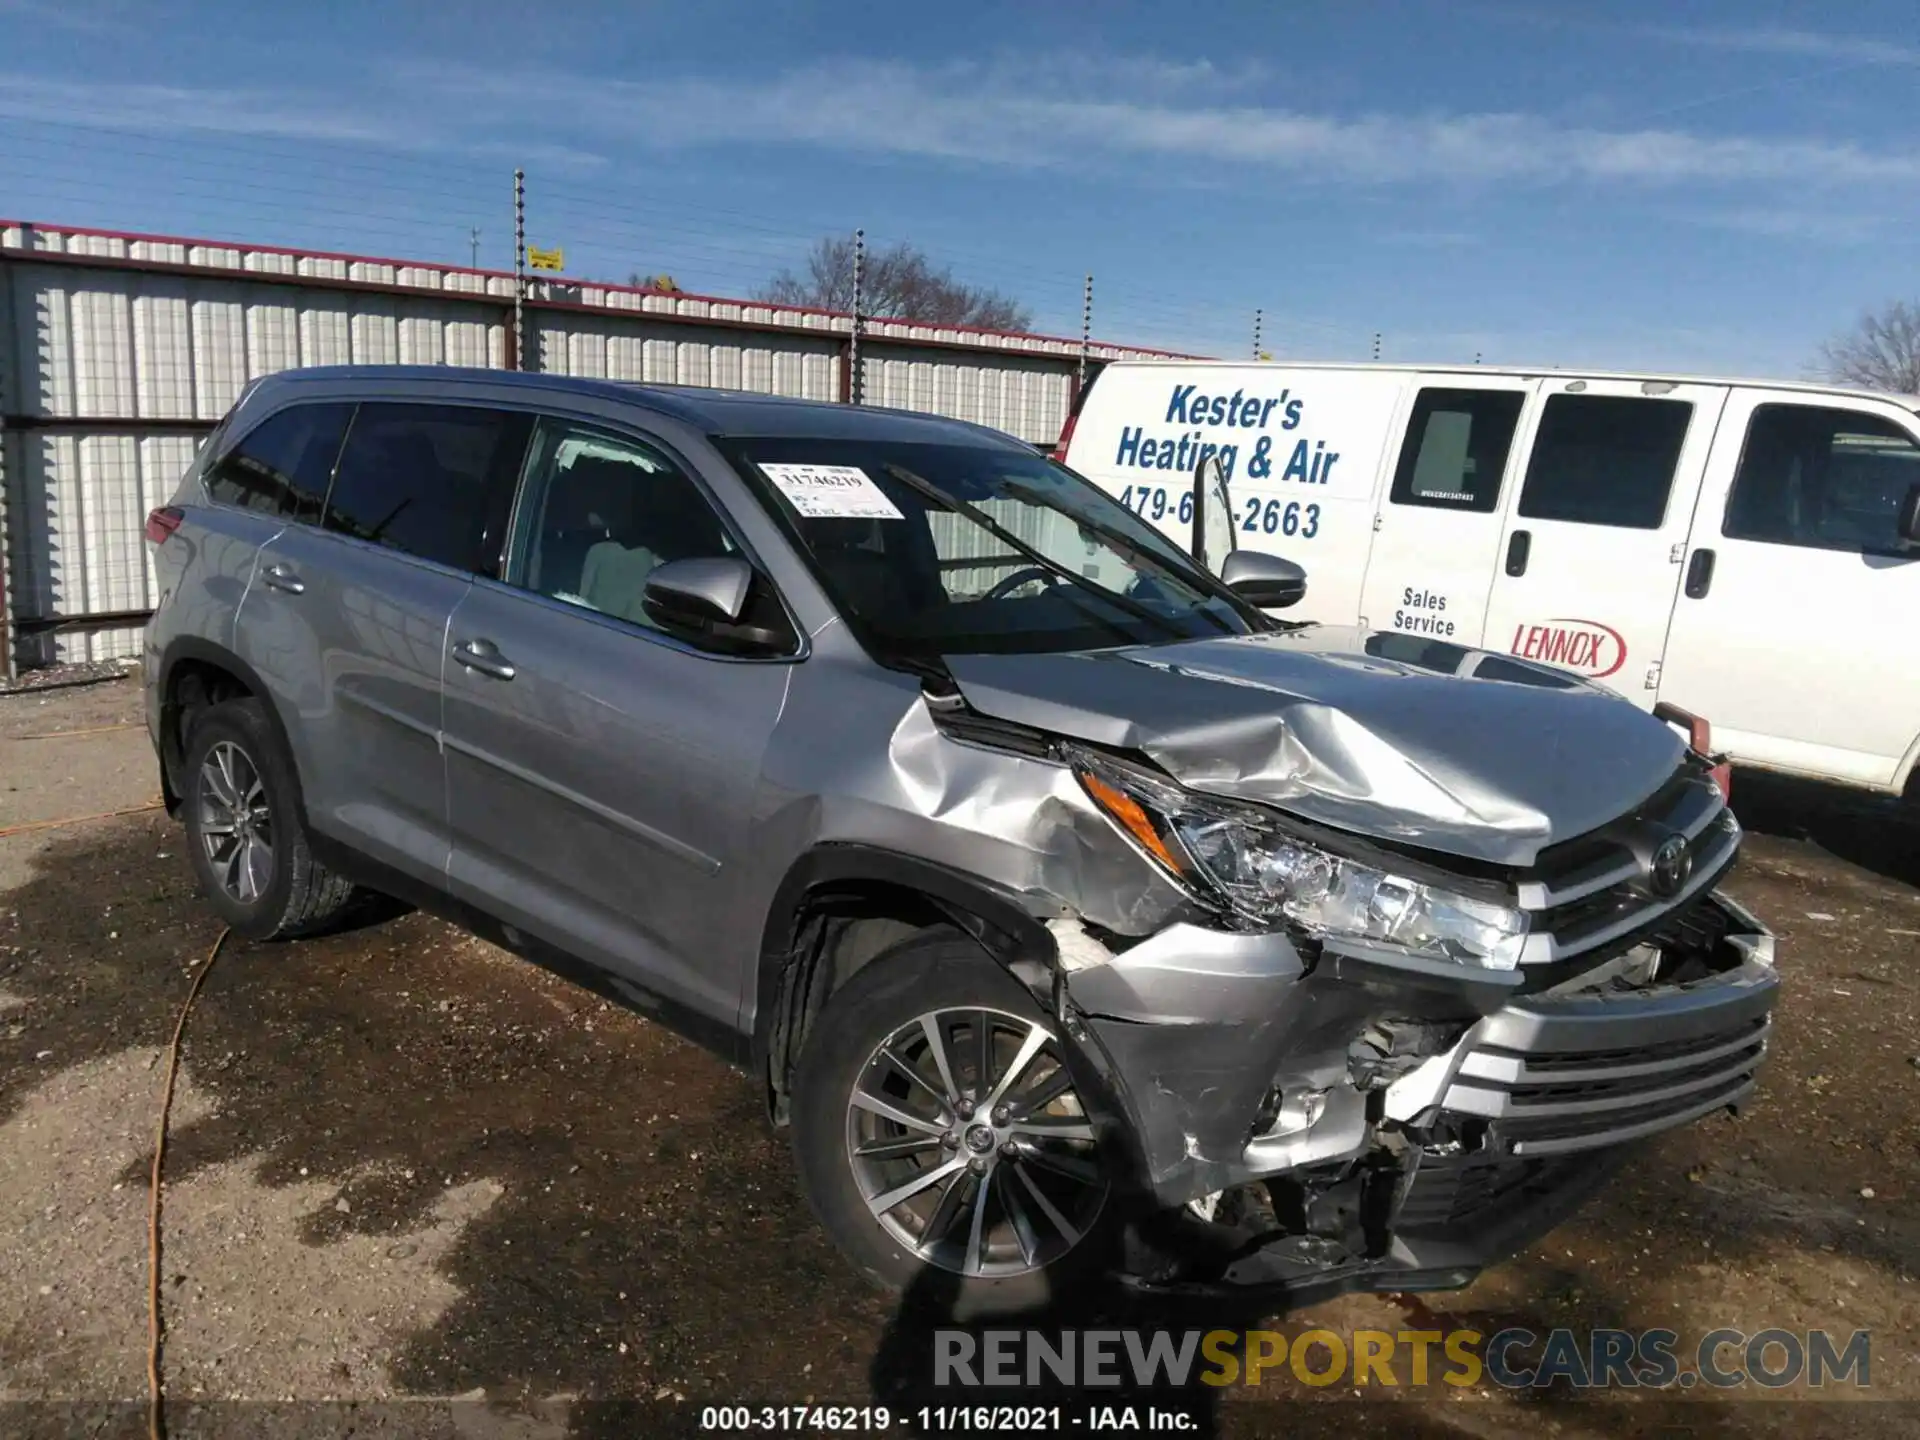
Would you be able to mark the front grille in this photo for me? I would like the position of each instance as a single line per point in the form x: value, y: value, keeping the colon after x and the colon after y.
x: 1657, y: 1053
x: 1596, y: 895
x: 1556, y: 1076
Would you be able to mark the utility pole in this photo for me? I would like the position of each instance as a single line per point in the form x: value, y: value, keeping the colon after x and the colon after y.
x: 1256, y: 334
x: 473, y: 237
x: 1086, y: 331
x: 856, y: 390
x: 519, y: 269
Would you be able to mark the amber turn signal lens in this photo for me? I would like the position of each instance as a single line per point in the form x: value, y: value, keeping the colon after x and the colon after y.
x: 1127, y: 813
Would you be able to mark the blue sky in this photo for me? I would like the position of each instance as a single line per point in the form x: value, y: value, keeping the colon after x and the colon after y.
x: 1695, y: 184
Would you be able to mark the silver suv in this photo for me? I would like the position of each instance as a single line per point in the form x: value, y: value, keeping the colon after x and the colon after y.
x: 1070, y: 908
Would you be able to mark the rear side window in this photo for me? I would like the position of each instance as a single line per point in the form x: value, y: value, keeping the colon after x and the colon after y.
x: 1821, y: 478
x: 1605, y: 460
x: 283, y: 464
x: 434, y: 481
x: 1456, y: 449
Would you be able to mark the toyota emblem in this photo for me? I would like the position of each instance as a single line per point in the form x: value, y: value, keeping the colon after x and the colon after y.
x: 1670, y: 867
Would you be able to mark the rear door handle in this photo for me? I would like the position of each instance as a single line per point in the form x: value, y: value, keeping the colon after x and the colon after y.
x: 1518, y: 545
x: 281, y: 577
x: 1699, y: 574
x: 484, y: 656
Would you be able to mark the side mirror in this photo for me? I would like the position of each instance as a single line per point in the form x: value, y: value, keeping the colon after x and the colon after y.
x: 1264, y: 580
x: 1907, y: 524
x: 1212, y: 540
x: 705, y: 599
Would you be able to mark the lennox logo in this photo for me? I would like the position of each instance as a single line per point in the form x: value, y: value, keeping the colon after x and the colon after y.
x: 1586, y: 646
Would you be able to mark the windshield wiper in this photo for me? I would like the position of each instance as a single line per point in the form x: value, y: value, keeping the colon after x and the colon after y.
x: 928, y: 490
x: 1133, y: 550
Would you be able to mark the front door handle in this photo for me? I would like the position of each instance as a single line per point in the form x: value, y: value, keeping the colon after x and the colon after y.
x: 1699, y: 574
x: 484, y: 656
x: 1518, y: 546
x: 281, y: 577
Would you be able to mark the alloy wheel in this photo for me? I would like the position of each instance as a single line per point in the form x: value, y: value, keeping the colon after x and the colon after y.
x: 970, y: 1144
x: 236, y: 824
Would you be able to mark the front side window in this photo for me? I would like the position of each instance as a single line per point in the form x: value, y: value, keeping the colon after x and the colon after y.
x: 429, y: 480
x: 1822, y: 478
x: 602, y: 512
x: 1456, y: 449
x: 283, y: 464
x: 1605, y: 460
x: 1044, y: 562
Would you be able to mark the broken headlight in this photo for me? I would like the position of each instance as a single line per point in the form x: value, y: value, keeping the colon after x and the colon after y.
x: 1244, y: 858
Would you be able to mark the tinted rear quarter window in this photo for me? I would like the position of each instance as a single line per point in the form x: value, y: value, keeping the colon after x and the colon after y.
x: 435, y: 481
x: 1605, y: 460
x: 282, y: 465
x: 1456, y: 449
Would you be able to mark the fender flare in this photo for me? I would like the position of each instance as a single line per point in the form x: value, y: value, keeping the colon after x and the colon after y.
x: 192, y: 647
x: 991, y: 914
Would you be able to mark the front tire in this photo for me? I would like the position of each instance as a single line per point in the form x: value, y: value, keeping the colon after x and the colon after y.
x: 940, y: 1137
x: 245, y: 831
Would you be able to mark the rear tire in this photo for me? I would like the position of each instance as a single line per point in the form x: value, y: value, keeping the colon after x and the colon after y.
x: 246, y: 835
x: 1006, y: 1198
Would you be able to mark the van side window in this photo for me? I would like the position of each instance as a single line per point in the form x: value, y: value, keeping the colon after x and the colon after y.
x: 1456, y: 449
x: 1605, y: 460
x: 1822, y: 478
x: 430, y: 480
x: 600, y: 512
x: 283, y: 464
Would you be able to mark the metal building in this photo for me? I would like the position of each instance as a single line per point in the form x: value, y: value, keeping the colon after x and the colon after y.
x: 118, y: 352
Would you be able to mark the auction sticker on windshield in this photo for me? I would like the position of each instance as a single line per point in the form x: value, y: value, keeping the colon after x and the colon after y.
x: 832, y: 492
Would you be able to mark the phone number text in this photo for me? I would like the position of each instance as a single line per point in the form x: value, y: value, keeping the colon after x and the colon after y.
x: 1255, y: 517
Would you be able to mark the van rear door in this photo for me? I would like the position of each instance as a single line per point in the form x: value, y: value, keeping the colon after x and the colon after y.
x: 1590, y: 556
x: 1437, y: 531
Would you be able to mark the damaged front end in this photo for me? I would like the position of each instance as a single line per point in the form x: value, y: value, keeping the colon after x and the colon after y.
x: 1354, y: 1067
x: 1374, y: 971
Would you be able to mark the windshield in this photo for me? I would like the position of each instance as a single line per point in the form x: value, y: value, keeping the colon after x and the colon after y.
x: 932, y: 550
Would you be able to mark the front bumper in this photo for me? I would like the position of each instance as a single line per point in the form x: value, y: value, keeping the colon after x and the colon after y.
x: 1234, y: 1061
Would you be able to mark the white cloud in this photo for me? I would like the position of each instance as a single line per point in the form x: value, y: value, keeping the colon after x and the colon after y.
x: 1782, y: 40
x: 1172, y: 120
x: 1003, y: 115
x: 174, y: 110
x: 169, y: 108
x: 1816, y: 226
x: 533, y: 155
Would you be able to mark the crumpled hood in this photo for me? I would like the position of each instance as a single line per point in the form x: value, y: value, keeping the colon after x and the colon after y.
x: 1393, y: 736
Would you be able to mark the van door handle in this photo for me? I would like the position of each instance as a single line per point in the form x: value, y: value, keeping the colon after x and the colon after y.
x: 281, y: 577
x: 1517, y: 547
x: 1699, y: 574
x: 482, y: 655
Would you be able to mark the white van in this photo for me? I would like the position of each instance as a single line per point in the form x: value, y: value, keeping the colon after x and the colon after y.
x: 1748, y: 551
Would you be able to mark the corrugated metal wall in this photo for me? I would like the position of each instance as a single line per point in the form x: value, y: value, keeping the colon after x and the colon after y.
x: 117, y: 352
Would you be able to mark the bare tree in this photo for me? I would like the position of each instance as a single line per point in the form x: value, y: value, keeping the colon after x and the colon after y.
x: 899, y: 282
x: 1882, y: 352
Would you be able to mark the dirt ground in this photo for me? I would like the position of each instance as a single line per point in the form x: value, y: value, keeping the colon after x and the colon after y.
x: 409, y: 1173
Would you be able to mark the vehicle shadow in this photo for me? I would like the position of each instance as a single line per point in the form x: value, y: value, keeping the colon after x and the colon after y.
x: 1878, y: 833
x: 1208, y: 1395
